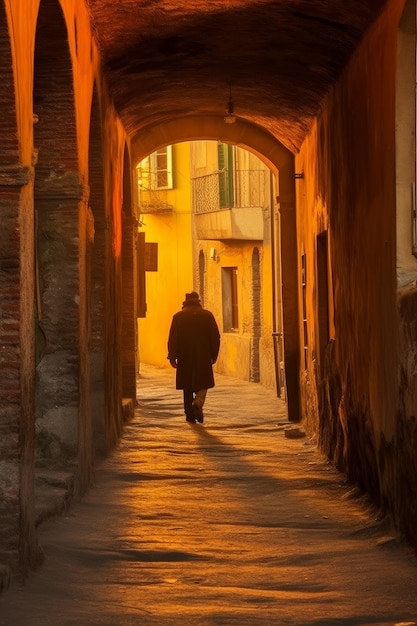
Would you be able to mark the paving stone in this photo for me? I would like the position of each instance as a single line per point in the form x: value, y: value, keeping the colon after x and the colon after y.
x: 226, y: 523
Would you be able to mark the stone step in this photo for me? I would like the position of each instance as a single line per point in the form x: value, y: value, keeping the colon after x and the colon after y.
x: 54, y: 490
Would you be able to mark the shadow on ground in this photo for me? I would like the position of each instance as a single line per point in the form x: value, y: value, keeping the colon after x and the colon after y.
x: 226, y: 523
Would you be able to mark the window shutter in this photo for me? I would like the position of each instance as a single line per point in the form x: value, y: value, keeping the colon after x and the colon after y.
x: 225, y: 164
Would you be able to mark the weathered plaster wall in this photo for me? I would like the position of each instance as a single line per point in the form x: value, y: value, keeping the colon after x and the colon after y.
x: 236, y: 347
x: 349, y: 188
x: 166, y: 288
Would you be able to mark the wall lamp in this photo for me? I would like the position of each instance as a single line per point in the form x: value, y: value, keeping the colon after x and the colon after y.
x: 213, y: 254
x: 230, y: 117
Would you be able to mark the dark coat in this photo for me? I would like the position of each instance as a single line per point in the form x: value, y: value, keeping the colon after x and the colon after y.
x: 194, y: 343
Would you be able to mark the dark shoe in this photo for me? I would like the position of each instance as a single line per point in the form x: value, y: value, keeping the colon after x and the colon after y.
x: 190, y: 419
x: 198, y: 412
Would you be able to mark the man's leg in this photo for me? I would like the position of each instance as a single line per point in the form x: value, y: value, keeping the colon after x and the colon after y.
x: 188, y: 405
x: 200, y: 397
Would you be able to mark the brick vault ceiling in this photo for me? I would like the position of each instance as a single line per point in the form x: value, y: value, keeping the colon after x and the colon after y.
x: 166, y: 59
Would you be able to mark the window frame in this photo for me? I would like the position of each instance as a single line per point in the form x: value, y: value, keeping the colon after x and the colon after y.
x: 230, y: 299
x: 149, y: 170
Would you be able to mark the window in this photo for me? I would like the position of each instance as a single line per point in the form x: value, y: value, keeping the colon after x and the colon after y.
x: 155, y: 171
x: 230, y: 300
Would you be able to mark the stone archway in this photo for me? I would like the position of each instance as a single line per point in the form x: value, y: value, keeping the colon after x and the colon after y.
x: 60, y: 201
x: 281, y: 162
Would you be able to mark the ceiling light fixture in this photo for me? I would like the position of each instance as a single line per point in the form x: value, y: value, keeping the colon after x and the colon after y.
x: 230, y: 117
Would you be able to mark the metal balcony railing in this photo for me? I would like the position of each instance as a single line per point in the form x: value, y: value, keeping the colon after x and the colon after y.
x: 226, y: 190
x: 153, y: 201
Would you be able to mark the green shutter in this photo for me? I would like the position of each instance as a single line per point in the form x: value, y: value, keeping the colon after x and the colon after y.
x: 225, y: 162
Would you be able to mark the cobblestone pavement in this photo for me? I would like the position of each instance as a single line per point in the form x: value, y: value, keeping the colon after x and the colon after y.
x: 227, y: 523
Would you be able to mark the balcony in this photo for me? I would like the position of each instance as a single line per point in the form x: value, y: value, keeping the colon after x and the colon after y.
x: 153, y: 199
x: 230, y: 205
x: 154, y: 202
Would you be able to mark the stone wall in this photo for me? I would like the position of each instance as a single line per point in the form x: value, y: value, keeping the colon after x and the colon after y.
x: 401, y: 458
x: 18, y: 543
x: 361, y: 387
x: 60, y: 305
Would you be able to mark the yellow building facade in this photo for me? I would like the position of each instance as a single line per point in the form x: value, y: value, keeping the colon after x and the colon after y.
x: 165, y: 219
x: 215, y: 230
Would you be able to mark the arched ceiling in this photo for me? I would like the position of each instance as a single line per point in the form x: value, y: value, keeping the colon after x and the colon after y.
x: 169, y: 59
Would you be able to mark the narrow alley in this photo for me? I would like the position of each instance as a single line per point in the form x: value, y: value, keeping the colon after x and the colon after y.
x: 230, y: 522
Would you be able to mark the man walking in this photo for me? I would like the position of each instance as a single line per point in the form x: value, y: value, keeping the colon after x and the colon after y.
x: 193, y: 347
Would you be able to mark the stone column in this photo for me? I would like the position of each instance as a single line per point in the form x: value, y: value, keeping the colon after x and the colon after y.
x: 129, y: 330
x: 18, y: 544
x: 63, y: 415
x: 290, y: 306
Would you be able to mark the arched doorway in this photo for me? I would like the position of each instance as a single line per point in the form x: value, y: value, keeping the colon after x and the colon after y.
x: 281, y: 162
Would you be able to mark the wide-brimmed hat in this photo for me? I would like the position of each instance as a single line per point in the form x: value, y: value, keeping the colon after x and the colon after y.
x: 193, y: 295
